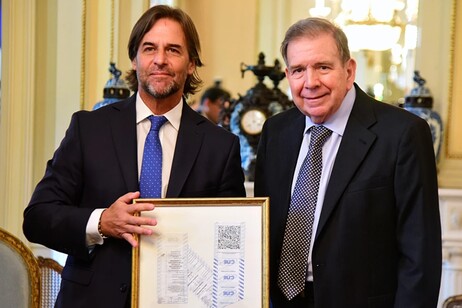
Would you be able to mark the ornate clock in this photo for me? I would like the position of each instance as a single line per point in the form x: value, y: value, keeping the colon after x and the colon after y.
x: 247, y: 114
x: 252, y: 121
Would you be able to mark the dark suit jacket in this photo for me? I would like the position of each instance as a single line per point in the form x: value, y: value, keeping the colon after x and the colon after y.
x: 95, y: 164
x: 378, y: 243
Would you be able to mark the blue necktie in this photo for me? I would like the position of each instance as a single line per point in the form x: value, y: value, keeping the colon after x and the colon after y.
x: 300, y: 219
x: 151, y: 168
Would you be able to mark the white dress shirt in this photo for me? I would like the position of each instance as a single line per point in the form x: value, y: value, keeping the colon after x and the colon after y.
x: 168, y: 134
x: 336, y: 123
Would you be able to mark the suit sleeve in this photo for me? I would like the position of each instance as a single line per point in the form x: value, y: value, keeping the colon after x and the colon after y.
x: 260, y: 177
x: 233, y: 176
x: 53, y: 217
x: 418, y: 220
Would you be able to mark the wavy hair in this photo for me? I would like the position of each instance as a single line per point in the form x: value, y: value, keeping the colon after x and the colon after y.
x: 146, y: 22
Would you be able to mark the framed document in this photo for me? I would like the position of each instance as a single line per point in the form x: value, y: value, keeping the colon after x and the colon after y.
x: 204, y: 252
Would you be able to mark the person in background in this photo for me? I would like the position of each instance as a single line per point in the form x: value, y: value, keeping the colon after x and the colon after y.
x: 352, y: 184
x: 83, y: 205
x: 212, y: 101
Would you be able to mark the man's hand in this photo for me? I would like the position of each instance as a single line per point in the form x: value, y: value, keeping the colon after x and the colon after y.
x: 119, y: 221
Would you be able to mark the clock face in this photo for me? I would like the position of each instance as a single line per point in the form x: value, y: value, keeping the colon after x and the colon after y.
x: 252, y: 121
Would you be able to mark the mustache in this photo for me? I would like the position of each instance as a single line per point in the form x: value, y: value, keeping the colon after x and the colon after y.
x: 161, y: 70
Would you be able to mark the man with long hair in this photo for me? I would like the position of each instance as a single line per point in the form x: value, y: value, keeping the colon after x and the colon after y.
x: 83, y: 205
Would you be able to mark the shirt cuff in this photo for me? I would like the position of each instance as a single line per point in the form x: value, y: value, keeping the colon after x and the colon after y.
x: 93, y: 237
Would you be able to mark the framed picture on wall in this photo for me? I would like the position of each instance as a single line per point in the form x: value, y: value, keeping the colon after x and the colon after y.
x: 204, y: 252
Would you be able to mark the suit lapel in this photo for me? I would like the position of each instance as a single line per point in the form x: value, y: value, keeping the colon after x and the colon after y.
x: 290, y: 148
x: 354, y: 146
x: 187, y: 148
x: 123, y: 126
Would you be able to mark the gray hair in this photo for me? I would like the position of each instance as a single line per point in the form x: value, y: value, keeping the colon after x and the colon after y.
x: 312, y: 27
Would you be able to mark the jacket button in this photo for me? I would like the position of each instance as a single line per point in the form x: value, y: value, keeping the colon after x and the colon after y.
x: 123, y: 287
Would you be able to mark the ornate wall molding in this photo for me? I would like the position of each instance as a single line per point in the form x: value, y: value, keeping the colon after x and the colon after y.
x: 451, y: 225
x: 83, y: 54
x: 454, y: 126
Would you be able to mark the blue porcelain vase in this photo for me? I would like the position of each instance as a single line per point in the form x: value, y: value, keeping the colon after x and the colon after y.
x: 115, y: 89
x: 420, y: 103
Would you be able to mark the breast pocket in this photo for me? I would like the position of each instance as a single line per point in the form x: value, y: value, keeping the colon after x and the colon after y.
x: 368, y: 184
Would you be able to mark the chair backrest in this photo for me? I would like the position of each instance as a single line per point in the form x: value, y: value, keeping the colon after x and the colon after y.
x: 453, y: 302
x: 19, y: 273
x: 50, y: 272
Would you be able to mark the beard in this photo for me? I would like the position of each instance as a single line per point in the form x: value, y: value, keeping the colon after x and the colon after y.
x: 160, y: 93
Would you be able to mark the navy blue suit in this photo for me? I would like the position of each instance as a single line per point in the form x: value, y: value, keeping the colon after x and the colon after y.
x: 378, y: 242
x: 95, y: 164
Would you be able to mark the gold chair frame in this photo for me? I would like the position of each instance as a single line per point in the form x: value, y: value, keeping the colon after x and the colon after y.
x: 453, y: 302
x: 50, y: 272
x: 30, y: 263
x: 49, y: 263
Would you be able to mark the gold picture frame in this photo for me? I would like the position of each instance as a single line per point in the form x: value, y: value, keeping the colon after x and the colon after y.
x: 204, y: 252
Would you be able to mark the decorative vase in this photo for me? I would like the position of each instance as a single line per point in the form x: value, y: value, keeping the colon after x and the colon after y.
x: 115, y: 89
x: 420, y: 103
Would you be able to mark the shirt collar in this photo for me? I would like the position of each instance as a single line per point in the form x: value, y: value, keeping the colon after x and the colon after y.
x: 173, y: 115
x: 337, y: 122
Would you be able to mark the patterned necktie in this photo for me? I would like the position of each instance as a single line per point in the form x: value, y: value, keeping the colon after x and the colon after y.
x: 299, y: 225
x: 151, y: 168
